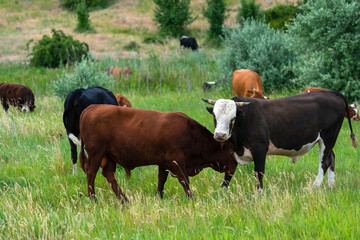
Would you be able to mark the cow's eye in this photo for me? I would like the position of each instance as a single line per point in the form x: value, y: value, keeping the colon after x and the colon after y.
x: 214, y: 120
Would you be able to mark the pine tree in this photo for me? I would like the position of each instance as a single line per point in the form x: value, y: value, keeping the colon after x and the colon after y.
x: 215, y: 13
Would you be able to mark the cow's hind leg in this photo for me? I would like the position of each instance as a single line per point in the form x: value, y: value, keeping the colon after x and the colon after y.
x: 108, y: 172
x: 5, y: 104
x: 163, y: 174
x: 92, y: 166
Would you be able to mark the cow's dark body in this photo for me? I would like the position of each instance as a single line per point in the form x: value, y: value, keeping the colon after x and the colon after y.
x: 188, y: 42
x: 135, y: 137
x: 284, y: 126
x: 75, y: 102
x: 17, y: 95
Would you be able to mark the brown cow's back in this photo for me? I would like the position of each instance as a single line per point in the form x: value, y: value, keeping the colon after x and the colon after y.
x: 247, y: 83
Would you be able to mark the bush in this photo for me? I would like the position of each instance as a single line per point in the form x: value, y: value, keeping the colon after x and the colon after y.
x: 132, y: 46
x: 57, y: 51
x: 91, y: 4
x: 326, y: 35
x: 173, y: 16
x: 83, y: 24
x: 215, y: 13
x: 248, y: 9
x: 87, y: 73
x: 280, y: 14
x: 258, y: 47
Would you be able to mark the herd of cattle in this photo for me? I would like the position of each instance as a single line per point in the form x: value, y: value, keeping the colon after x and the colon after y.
x: 247, y: 128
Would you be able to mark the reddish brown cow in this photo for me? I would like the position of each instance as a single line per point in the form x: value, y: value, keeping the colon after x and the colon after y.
x: 117, y: 72
x: 353, y: 111
x: 122, y: 101
x: 17, y: 95
x: 247, y: 83
x: 134, y: 137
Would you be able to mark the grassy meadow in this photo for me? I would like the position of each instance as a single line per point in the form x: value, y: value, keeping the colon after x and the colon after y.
x: 41, y: 198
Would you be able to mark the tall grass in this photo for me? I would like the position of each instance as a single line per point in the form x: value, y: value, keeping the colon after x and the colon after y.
x: 41, y: 198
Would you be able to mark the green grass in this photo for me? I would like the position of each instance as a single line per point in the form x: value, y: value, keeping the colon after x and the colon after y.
x: 40, y: 198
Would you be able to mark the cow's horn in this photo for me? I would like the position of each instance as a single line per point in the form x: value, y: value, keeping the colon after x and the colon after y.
x: 212, y: 102
x: 240, y: 104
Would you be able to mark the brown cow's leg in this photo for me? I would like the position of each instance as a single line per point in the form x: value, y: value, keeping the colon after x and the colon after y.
x: 109, y: 173
x: 5, y: 104
x: 180, y: 171
x: 91, y: 174
x: 163, y: 174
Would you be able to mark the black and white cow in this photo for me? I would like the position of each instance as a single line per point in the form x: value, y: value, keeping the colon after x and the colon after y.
x: 288, y: 126
x: 75, y: 102
x: 188, y: 42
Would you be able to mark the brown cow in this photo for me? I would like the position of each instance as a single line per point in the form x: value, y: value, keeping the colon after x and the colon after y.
x: 122, y: 101
x: 17, y: 95
x: 353, y: 111
x: 117, y: 72
x: 134, y: 137
x: 247, y: 83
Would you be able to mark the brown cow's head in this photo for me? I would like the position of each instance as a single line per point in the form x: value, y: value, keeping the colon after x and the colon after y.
x: 122, y: 101
x: 255, y: 94
x: 354, y: 112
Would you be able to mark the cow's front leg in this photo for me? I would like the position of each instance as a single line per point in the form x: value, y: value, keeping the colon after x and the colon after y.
x: 227, y: 179
x: 259, y: 161
x: 163, y: 174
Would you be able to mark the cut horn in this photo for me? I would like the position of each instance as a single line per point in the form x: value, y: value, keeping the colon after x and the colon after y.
x: 209, y: 101
x: 240, y: 104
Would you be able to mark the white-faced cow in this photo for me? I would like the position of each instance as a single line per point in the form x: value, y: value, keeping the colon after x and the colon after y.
x: 75, y: 102
x: 288, y: 126
x: 18, y: 96
x: 134, y: 137
x: 188, y: 42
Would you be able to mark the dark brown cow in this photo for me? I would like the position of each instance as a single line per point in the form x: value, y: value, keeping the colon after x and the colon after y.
x: 247, y: 83
x: 353, y: 111
x: 134, y: 137
x: 17, y: 95
x: 122, y: 101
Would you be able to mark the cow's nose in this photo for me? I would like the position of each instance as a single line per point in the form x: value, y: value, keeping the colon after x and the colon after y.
x: 220, y: 136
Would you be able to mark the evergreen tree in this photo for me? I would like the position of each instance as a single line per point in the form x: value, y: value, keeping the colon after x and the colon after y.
x: 83, y: 24
x: 215, y: 13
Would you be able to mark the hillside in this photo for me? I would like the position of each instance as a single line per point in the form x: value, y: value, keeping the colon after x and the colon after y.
x: 123, y: 22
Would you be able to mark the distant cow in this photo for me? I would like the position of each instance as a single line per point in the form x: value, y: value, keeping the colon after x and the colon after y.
x: 17, y: 95
x: 75, y: 103
x: 206, y: 86
x: 134, y: 137
x: 117, y: 72
x: 353, y: 111
x: 288, y: 126
x: 247, y: 83
x: 188, y: 42
x: 122, y: 101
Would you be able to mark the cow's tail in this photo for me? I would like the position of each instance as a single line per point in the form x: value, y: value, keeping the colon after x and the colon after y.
x: 354, y: 141
x: 74, y: 139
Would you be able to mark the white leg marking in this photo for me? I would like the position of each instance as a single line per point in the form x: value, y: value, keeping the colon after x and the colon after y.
x: 320, y: 175
x: 331, y: 178
x: 74, y: 168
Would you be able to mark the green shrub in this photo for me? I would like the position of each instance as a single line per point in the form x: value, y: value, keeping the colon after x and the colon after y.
x: 215, y: 14
x: 326, y: 36
x: 91, y: 4
x: 153, y: 38
x: 173, y: 16
x: 280, y: 14
x: 248, y: 9
x: 83, y: 24
x: 258, y: 47
x: 56, y: 51
x: 87, y: 73
x: 132, y: 45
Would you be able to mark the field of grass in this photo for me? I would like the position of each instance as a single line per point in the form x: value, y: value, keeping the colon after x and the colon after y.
x: 41, y: 198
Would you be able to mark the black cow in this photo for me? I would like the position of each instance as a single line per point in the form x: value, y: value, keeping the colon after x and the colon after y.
x: 188, y: 42
x: 288, y: 126
x: 75, y: 103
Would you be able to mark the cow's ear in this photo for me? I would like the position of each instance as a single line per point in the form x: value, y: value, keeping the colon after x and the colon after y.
x: 210, y: 109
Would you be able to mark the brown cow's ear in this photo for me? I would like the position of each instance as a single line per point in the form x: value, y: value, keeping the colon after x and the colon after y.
x: 249, y: 93
x: 210, y: 109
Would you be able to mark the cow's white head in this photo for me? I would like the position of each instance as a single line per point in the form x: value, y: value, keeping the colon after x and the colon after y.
x: 224, y: 112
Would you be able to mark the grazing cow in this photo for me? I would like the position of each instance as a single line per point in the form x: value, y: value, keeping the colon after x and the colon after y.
x: 247, y: 83
x: 353, y: 111
x: 188, y: 42
x: 17, y: 95
x: 75, y: 102
x: 117, y: 72
x: 288, y: 126
x: 134, y: 137
x: 122, y: 101
x: 206, y: 86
